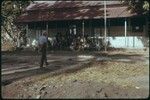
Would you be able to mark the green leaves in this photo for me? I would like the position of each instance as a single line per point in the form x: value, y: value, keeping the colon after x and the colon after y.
x: 138, y: 6
x: 146, y: 5
x: 10, y: 10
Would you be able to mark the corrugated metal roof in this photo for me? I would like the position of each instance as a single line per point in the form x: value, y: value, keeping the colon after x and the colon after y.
x: 82, y: 12
x: 65, y: 4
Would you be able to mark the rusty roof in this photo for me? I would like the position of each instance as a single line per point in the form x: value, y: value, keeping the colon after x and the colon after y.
x: 66, y: 4
x: 78, y: 11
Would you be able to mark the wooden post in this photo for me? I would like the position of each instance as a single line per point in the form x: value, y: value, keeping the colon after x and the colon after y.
x: 129, y: 23
x: 27, y: 30
x: 91, y: 24
x: 47, y: 27
x: 41, y: 28
x: 37, y: 32
x: 125, y: 31
x: 83, y: 32
x: 83, y: 28
x: 105, y: 25
x: 133, y: 40
x: 27, y: 33
x: 56, y: 27
x: 90, y: 27
x: 109, y: 34
x: 18, y: 40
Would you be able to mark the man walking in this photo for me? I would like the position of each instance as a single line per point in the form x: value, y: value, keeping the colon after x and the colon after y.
x: 43, y: 48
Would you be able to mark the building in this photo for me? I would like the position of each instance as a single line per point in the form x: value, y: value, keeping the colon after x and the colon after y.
x: 86, y: 18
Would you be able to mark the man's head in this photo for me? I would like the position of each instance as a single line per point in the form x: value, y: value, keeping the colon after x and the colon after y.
x: 45, y: 33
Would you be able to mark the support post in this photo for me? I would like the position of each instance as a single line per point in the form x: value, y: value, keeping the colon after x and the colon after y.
x: 47, y: 27
x: 133, y: 40
x: 56, y: 27
x: 37, y: 32
x: 83, y: 28
x: 27, y: 34
x: 41, y: 28
x: 36, y: 35
x: 91, y: 24
x: 125, y: 31
x: 90, y: 27
x: 130, y: 31
x: 109, y: 33
x: 18, y: 40
x: 105, y: 26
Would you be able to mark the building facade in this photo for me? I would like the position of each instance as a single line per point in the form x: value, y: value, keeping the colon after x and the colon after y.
x: 86, y: 19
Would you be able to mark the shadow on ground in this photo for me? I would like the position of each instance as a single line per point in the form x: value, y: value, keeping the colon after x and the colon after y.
x: 60, y: 67
x: 54, y: 68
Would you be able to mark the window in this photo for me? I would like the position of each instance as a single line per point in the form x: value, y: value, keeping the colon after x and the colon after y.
x: 137, y: 28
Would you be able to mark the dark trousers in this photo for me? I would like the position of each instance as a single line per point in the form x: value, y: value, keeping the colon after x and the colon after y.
x: 43, y: 56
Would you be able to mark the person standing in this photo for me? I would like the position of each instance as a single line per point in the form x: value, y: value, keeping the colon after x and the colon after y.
x: 43, y: 48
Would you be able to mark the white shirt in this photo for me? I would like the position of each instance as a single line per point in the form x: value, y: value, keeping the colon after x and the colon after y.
x: 42, y: 40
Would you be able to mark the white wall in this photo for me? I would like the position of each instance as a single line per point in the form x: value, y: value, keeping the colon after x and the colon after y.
x: 131, y: 42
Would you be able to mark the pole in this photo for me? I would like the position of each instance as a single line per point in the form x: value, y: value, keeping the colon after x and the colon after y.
x: 105, y: 24
x: 27, y: 34
x: 83, y: 28
x: 47, y: 27
x: 125, y: 31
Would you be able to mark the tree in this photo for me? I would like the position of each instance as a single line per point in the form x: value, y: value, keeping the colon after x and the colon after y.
x: 10, y: 10
x: 138, y: 6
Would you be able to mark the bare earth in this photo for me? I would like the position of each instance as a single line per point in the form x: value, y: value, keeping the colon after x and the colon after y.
x: 116, y: 74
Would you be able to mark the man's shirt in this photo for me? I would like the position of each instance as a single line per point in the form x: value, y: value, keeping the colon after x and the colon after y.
x: 42, y: 40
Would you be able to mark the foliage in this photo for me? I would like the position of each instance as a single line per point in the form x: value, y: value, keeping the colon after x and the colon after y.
x: 138, y: 6
x: 9, y: 12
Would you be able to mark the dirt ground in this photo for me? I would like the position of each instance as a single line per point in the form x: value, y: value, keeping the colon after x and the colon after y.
x: 113, y: 74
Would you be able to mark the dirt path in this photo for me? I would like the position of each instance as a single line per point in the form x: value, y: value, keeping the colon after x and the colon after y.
x: 116, y: 74
x: 15, y: 67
